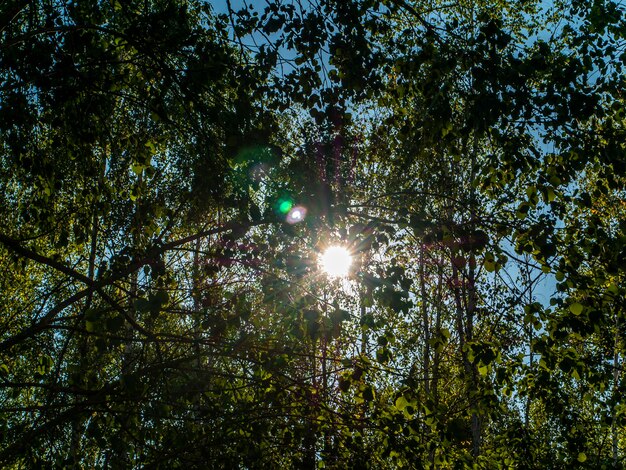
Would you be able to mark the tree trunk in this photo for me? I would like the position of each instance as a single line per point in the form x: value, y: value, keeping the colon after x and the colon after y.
x: 616, y: 396
x: 464, y: 326
x: 77, y: 424
x: 425, y: 323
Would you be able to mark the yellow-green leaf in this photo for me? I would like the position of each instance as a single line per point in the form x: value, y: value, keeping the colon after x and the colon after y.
x: 401, y: 403
x: 576, y: 308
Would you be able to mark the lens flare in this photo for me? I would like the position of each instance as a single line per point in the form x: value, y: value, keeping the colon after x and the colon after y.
x: 336, y: 261
x: 296, y: 214
x: 285, y: 206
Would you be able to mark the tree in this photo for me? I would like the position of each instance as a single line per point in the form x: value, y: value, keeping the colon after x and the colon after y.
x: 163, y: 300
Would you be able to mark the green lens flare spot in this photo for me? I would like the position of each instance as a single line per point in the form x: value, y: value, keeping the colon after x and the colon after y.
x: 285, y: 206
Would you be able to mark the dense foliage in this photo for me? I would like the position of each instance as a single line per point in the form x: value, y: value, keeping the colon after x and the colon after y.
x: 162, y: 305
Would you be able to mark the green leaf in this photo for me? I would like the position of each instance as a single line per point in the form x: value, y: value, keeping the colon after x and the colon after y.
x: 161, y: 297
x: 576, y: 308
x: 114, y: 324
x: 401, y: 403
x: 137, y: 168
x: 490, y: 265
x: 311, y: 315
x: 150, y: 146
x: 549, y: 195
x: 142, y: 305
x: 368, y: 393
x: 339, y: 315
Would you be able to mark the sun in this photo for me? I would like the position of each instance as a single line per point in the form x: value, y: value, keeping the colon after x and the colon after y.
x: 336, y: 261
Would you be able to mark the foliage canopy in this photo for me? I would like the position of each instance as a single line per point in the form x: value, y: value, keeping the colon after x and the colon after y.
x: 163, y: 305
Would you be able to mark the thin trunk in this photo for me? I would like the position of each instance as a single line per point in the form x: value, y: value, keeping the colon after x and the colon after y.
x: 426, y: 326
x: 364, y: 339
x: 129, y: 352
x: 469, y: 288
x: 127, y: 356
x: 472, y: 299
x: 360, y: 457
x: 324, y: 391
x: 529, y: 333
x: 465, y: 330
x: 324, y: 401
x: 77, y: 426
x: 310, y: 433
x: 434, y: 386
x: 197, y: 305
x: 616, y: 369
